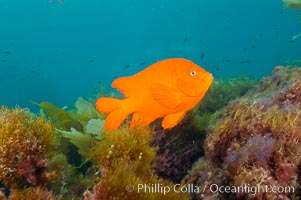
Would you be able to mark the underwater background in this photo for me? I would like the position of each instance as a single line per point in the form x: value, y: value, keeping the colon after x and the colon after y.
x: 57, y: 51
x: 62, y: 134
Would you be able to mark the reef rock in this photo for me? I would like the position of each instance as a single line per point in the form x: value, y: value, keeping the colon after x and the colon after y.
x: 253, y: 149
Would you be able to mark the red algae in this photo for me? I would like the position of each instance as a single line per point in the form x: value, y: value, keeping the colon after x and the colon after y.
x: 254, y: 143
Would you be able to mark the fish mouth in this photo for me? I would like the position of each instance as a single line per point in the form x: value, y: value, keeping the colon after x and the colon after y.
x: 206, y: 82
x: 196, y: 88
x: 209, y: 78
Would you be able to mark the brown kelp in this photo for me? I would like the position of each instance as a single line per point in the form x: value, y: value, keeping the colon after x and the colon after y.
x: 80, y: 126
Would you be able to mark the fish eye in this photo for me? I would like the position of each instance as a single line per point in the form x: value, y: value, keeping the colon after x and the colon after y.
x: 193, y: 73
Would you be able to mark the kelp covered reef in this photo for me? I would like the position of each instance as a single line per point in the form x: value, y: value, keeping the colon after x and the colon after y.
x: 244, y: 132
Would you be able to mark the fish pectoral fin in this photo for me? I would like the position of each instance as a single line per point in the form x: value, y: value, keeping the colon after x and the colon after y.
x: 172, y: 120
x: 165, y: 96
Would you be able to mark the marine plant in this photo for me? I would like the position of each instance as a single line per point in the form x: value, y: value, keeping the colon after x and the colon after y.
x: 255, y: 142
x: 75, y: 117
x: 71, y: 180
x: 125, y: 157
x: 81, y: 124
x: 27, y: 143
x: 294, y: 4
x: 35, y: 193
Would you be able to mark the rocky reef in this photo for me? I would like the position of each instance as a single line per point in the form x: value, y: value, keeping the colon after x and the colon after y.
x: 242, y: 139
x: 253, y: 144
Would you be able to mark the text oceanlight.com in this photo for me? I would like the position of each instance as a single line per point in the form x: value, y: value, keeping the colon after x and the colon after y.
x: 213, y: 188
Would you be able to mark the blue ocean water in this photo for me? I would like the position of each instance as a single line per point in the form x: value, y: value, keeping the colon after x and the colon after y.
x: 56, y: 52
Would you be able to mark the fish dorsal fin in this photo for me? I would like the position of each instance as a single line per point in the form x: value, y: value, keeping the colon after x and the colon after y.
x: 167, y: 97
x: 125, y: 85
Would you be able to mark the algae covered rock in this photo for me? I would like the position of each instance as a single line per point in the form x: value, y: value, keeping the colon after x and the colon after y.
x: 253, y: 146
x: 26, y: 144
x: 125, y: 157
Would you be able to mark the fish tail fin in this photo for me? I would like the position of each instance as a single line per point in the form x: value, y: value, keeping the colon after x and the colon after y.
x: 115, y: 110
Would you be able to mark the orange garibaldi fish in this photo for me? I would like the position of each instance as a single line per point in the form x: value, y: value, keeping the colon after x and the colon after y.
x: 168, y: 89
